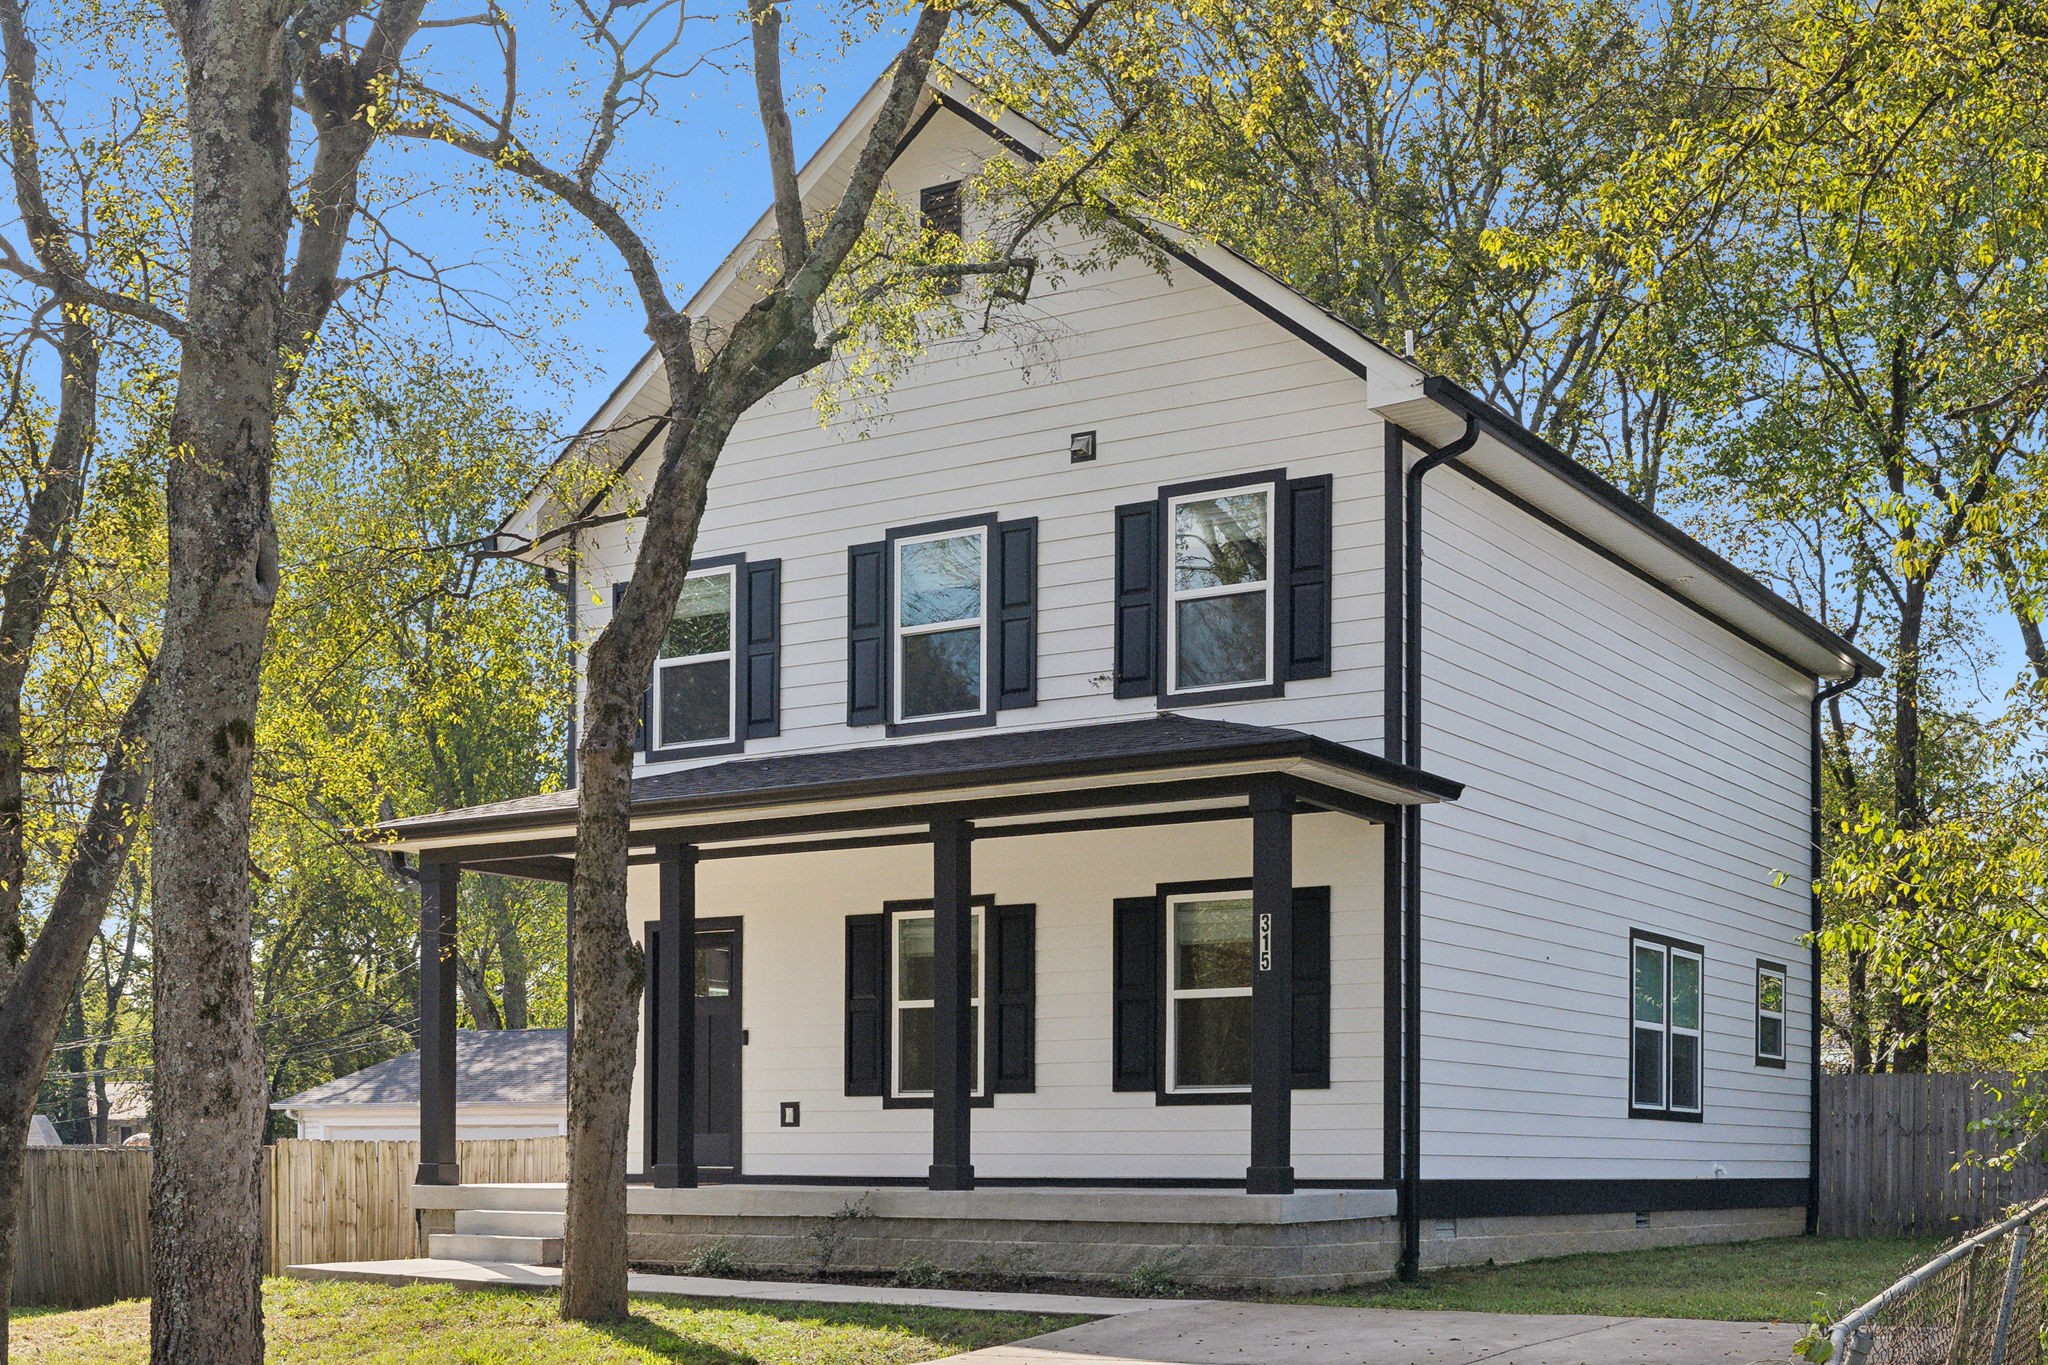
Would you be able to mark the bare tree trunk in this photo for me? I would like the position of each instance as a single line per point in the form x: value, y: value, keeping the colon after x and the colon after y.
x: 33, y: 1002
x: 206, y: 1244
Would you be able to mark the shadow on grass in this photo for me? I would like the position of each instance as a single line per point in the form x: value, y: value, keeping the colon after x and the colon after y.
x: 639, y: 1331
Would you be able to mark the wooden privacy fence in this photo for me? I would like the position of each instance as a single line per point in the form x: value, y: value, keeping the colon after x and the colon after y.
x: 1890, y: 1148
x: 84, y: 1235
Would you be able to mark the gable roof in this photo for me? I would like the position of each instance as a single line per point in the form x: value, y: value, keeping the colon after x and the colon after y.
x: 492, y: 1066
x: 1530, y: 471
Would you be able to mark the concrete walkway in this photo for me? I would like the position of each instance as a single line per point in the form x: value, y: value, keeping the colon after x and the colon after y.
x: 1286, y: 1334
x: 501, y: 1275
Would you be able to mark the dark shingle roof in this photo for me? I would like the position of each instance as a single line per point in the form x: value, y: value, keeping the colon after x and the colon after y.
x: 986, y: 757
x: 492, y: 1066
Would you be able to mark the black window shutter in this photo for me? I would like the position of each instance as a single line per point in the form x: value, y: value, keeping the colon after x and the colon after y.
x: 1013, y: 1064
x: 867, y: 634
x: 1307, y: 583
x: 1016, y: 616
x: 642, y: 724
x: 940, y: 208
x: 1311, y: 1069
x: 1138, y: 559
x: 1136, y: 970
x: 867, y: 985
x: 761, y: 650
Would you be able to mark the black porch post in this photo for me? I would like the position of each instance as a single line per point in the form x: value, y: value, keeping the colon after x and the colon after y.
x: 952, y: 990
x: 438, y: 885
x: 1272, y: 1168
x: 672, y: 1051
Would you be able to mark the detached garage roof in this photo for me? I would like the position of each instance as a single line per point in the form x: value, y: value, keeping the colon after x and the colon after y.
x: 492, y: 1066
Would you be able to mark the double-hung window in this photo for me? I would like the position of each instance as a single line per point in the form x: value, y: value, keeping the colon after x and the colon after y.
x: 1770, y: 1013
x: 912, y: 991
x: 1209, y: 993
x: 694, y: 673
x: 1665, y: 1044
x: 1219, y: 617
x: 941, y: 664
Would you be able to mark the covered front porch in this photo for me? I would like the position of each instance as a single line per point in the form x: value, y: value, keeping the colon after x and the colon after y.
x: 1044, y: 1093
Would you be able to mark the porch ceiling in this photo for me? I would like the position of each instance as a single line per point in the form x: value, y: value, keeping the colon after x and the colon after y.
x: 1156, y: 770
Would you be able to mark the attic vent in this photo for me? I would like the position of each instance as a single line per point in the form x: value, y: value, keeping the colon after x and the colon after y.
x: 940, y: 205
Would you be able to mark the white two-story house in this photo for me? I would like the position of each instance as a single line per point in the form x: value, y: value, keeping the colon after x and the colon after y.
x: 1204, y: 792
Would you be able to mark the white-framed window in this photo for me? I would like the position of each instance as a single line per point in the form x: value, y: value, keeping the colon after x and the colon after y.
x: 695, y: 690
x: 1770, y: 1013
x: 941, y: 620
x: 1219, y: 616
x: 1666, y: 988
x: 912, y: 987
x: 1209, y: 993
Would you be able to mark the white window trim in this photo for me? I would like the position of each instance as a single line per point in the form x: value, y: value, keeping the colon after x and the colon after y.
x: 730, y: 654
x: 1669, y: 1028
x: 898, y: 632
x: 1175, y: 595
x: 898, y: 1005
x: 1174, y: 995
x: 1778, y: 1014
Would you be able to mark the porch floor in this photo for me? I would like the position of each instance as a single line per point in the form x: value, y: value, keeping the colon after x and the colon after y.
x: 501, y: 1275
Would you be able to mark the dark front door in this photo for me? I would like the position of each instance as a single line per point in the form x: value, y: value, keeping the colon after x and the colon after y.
x: 719, y: 1038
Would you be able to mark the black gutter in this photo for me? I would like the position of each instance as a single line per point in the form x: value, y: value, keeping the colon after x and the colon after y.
x: 1821, y: 697
x: 1410, y: 703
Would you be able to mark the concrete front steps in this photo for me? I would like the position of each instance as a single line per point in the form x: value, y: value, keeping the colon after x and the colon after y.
x: 505, y: 1236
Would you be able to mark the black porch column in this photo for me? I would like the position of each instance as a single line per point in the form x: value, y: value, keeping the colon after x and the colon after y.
x: 438, y: 885
x: 672, y: 1051
x: 952, y: 991
x: 1272, y: 1168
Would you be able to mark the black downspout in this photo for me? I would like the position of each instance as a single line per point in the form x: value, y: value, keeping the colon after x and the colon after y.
x: 1392, y: 957
x: 1411, y: 847
x: 1821, y: 697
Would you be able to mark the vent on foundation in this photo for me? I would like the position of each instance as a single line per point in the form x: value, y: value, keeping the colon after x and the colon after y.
x: 1642, y: 1220
x: 1447, y: 1227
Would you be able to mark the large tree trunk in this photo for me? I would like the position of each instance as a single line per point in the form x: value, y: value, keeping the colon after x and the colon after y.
x: 32, y: 1004
x: 1907, y: 803
x: 206, y: 1244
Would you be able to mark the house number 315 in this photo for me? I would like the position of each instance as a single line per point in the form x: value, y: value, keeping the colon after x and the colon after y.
x: 1265, y: 943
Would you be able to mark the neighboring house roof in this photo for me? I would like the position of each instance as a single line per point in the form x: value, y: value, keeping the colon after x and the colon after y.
x: 1580, y: 502
x: 42, y: 1132
x: 492, y: 1066
x: 991, y: 757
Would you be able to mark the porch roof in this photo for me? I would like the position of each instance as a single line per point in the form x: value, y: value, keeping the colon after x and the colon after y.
x: 1161, y: 757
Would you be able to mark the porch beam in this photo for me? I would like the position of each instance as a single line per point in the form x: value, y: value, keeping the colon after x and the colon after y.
x: 438, y: 885
x: 952, y: 988
x: 1272, y: 1160
x: 673, y: 1050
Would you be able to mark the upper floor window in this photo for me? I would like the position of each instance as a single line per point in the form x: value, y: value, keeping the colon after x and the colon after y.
x: 1219, y: 631
x: 1665, y: 1044
x: 1770, y: 1013
x: 941, y: 625
x: 694, y: 674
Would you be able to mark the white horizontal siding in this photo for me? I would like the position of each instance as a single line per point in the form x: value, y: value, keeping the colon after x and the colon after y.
x: 793, y: 910
x: 1628, y: 764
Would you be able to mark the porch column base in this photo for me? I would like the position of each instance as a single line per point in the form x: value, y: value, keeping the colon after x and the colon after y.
x: 951, y: 1178
x: 438, y: 1173
x: 1269, y: 1180
x: 671, y: 1177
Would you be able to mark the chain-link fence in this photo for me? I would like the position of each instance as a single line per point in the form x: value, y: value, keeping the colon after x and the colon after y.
x: 1978, y: 1303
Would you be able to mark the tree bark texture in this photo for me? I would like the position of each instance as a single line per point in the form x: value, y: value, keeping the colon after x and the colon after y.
x: 209, y: 1094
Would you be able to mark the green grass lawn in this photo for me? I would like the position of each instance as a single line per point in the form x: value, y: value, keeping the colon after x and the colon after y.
x: 1782, y: 1280
x: 368, y: 1324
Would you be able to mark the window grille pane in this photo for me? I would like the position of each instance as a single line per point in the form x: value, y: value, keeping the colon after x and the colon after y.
x: 940, y: 580
x: 1685, y: 1071
x: 914, y: 1048
x: 1220, y: 640
x: 1212, y: 1041
x: 1212, y: 944
x: 1685, y: 992
x: 1770, y: 1038
x: 1648, y: 1090
x: 695, y: 704
x: 941, y: 673
x: 1649, y: 984
x: 703, y: 620
x: 1770, y: 993
x: 1218, y: 541
x: 914, y: 957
